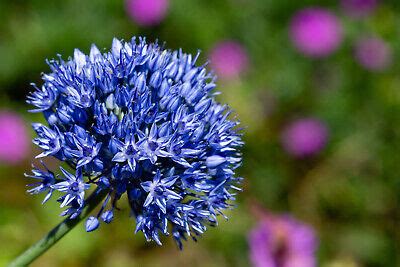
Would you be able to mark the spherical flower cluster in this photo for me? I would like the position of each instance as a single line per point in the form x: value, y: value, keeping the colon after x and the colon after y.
x: 14, y: 138
x: 139, y: 121
x: 373, y: 53
x: 147, y: 12
x: 304, y: 137
x: 315, y: 32
x: 359, y: 8
x: 282, y: 241
x: 229, y: 59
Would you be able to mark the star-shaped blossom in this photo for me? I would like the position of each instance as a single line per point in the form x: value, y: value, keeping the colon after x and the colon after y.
x: 129, y: 152
x: 81, y: 97
x: 153, y: 146
x: 73, y: 186
x: 83, y: 147
x: 159, y: 191
x: 46, y: 181
x: 49, y: 140
x: 180, y: 154
x: 43, y: 98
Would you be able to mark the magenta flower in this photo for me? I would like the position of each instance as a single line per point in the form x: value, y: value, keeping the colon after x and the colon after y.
x: 14, y: 138
x: 359, y: 8
x: 281, y: 241
x: 304, y: 137
x: 147, y: 12
x: 228, y: 59
x: 373, y: 53
x: 315, y: 32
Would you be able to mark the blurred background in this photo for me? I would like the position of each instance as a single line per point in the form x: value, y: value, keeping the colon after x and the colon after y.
x: 316, y: 85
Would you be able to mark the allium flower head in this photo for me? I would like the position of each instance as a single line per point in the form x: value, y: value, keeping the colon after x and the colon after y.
x: 142, y: 121
x: 147, y: 12
x: 359, y: 8
x: 304, y: 137
x: 280, y: 241
x: 373, y: 53
x: 315, y: 32
x: 14, y: 138
x: 228, y: 59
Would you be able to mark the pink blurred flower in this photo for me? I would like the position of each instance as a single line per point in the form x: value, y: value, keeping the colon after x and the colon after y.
x: 14, y: 138
x: 304, y: 137
x: 315, y: 32
x: 228, y: 59
x: 373, y: 53
x: 147, y: 12
x: 359, y: 8
x: 281, y: 241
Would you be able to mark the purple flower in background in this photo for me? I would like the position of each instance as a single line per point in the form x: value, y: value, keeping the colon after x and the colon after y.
x: 373, y: 53
x: 281, y: 241
x: 147, y: 12
x: 359, y: 8
x: 228, y: 59
x: 304, y: 137
x: 14, y: 138
x: 315, y: 32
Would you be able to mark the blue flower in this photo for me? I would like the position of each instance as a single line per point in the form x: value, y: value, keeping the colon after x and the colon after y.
x: 46, y: 181
x: 142, y: 121
x: 43, y: 98
x: 153, y: 146
x: 49, y: 140
x: 83, y: 148
x: 159, y: 191
x: 73, y: 186
x: 73, y: 210
x: 128, y: 152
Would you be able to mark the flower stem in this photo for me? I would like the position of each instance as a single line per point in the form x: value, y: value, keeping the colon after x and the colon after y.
x: 37, y: 249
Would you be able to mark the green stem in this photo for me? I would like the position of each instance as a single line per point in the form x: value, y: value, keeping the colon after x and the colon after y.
x: 58, y: 232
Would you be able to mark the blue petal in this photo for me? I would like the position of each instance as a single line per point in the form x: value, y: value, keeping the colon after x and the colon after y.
x: 116, y: 47
x: 80, y: 60
x: 119, y: 157
x: 215, y: 161
x: 94, y: 54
